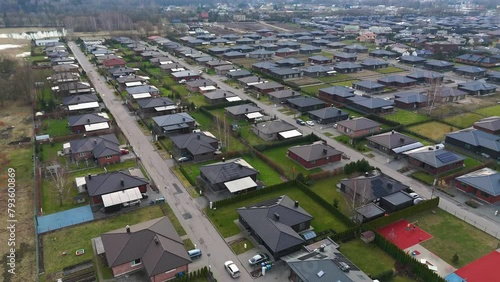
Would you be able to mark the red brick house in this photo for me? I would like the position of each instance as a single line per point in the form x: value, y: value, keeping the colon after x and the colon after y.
x: 314, y: 155
x: 108, y: 183
x: 152, y: 246
x: 442, y: 47
x: 102, y: 149
x: 434, y: 161
x: 483, y: 184
x: 358, y: 127
x: 114, y: 62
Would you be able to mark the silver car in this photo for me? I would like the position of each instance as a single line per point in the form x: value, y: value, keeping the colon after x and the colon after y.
x: 232, y: 269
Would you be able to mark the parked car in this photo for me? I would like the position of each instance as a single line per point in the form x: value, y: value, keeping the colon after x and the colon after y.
x: 131, y: 203
x: 194, y: 253
x: 418, y: 201
x: 144, y: 195
x: 124, y: 151
x: 414, y: 195
x: 300, y: 122
x: 310, y: 123
x: 257, y: 259
x: 232, y: 269
x: 183, y: 159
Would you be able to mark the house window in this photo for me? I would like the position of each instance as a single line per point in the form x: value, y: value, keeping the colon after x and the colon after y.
x: 108, y: 157
x: 82, y: 154
x: 135, y: 262
x: 313, y: 162
x: 484, y: 194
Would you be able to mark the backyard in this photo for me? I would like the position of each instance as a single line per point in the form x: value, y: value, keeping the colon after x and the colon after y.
x: 335, y: 78
x: 56, y: 127
x: 223, y: 218
x: 327, y: 189
x: 433, y: 130
x: 389, y: 69
x: 489, y: 111
x: 452, y: 236
x: 368, y: 257
x: 279, y: 156
x: 464, y: 120
x: 406, y: 117
x: 313, y: 90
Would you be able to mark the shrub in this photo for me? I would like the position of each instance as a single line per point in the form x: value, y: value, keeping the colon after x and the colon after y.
x: 455, y: 259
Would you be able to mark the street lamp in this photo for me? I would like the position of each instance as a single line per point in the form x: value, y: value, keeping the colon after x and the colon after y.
x: 209, y: 267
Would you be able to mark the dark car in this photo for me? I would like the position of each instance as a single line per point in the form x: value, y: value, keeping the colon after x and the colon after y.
x: 301, y: 122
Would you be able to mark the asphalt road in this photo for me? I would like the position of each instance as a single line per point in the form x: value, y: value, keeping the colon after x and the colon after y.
x: 481, y: 221
x: 198, y: 227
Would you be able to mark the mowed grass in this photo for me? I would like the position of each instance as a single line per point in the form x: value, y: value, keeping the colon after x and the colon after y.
x: 464, y: 120
x: 389, y: 69
x: 335, y: 78
x: 368, y: 257
x: 347, y: 83
x: 327, y: 189
x: 239, y: 247
x: 223, y: 217
x: 79, y: 237
x: 452, y: 235
x: 279, y: 157
x: 56, y: 127
x: 406, y: 117
x: 266, y: 174
x: 313, y: 90
x: 489, y: 111
x: 433, y: 130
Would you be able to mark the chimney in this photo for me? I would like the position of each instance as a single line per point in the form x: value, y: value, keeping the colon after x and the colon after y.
x: 246, y: 110
x: 122, y: 182
x: 325, y: 151
x: 293, y: 93
x: 392, y: 132
x: 156, y: 240
x: 223, y: 159
x: 205, y: 84
x: 198, y: 136
x: 401, y: 140
x: 88, y: 120
x: 322, y: 248
x: 183, y: 119
x: 339, y: 112
x: 366, y: 174
x: 296, y: 204
x: 430, y: 149
x: 90, y: 176
x: 95, y: 141
x: 127, y: 228
x: 224, y: 94
x: 276, y: 216
x: 437, y: 147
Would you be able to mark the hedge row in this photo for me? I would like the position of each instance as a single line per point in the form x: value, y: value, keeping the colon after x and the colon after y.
x: 188, y: 176
x: 200, y: 273
x: 305, y: 139
x: 404, y: 130
x: 383, y: 120
x: 395, y: 216
x: 226, y: 104
x: 251, y: 194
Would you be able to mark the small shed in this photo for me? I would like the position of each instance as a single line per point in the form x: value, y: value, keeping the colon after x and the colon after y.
x: 369, y: 212
x: 396, y: 201
x: 368, y: 236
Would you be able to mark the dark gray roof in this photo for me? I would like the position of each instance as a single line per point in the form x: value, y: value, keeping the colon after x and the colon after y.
x: 173, y: 119
x: 410, y: 97
x: 314, y: 151
x: 391, y: 139
x: 289, y: 61
x: 285, y: 50
x: 340, y: 91
x: 276, y: 233
x: 129, y: 78
x: 345, y: 55
x: 284, y: 93
x: 222, y: 172
x: 306, y: 273
x: 374, y: 186
x: 477, y: 138
x: 450, y: 92
x: 489, y: 123
x: 414, y: 59
x: 374, y: 62
x: 200, y: 83
x: 218, y: 49
x: 305, y: 101
x: 356, y: 47
x: 329, y: 112
x: 261, y: 52
x: 154, y: 102
x: 347, y: 65
x: 249, y: 79
x: 121, y: 70
x: 382, y: 52
x: 195, y: 143
x: 370, y: 210
x: 215, y: 63
x: 476, y: 86
x: 360, y: 123
x: 155, y: 242
x: 106, y: 183
x: 101, y: 146
x: 396, y: 78
x: 439, y: 63
x: 86, y: 119
x: 372, y: 103
x: 398, y: 198
x: 436, y: 158
x: 219, y: 94
x: 268, y: 85
x: 77, y: 99
x: 274, y: 126
x: 265, y: 65
x: 225, y: 67
x: 239, y: 73
x: 320, y: 58
x: 368, y: 84
x: 283, y: 71
x: 317, y: 68
x: 485, y: 179
x: 470, y: 69
x: 243, y: 109
x: 74, y: 85
x: 425, y: 74
x: 234, y: 54
x: 309, y: 48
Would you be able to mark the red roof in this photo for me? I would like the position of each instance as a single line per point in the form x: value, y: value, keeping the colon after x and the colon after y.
x: 204, y: 15
x: 113, y: 62
x: 153, y: 37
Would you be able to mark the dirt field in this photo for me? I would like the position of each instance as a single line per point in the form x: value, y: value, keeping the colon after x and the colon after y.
x: 25, y: 47
x: 18, y: 115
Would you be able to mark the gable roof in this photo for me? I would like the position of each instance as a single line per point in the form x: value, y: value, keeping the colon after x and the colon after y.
x: 396, y: 78
x: 392, y: 139
x: 283, y: 93
x: 173, y: 119
x: 374, y: 62
x: 101, y: 146
x: 485, y: 179
x: 315, y: 151
x: 195, y: 143
x: 489, y: 123
x: 410, y: 97
x: 347, y: 65
x: 243, y: 109
x: 374, y: 186
x: 225, y: 171
x: 274, y: 126
x: 470, y: 69
x: 371, y: 103
x: 476, y: 86
x: 419, y: 74
x: 200, y: 83
x: 106, y: 183
x: 86, y: 119
x: 141, y: 89
x: 360, y: 123
x: 219, y: 94
x: 340, y: 91
x: 276, y: 233
x: 155, y: 242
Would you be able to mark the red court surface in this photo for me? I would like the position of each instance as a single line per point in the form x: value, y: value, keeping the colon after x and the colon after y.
x: 482, y: 269
x: 403, y: 235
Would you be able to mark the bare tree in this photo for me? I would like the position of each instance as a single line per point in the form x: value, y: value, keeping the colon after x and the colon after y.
x: 433, y: 93
x: 59, y: 177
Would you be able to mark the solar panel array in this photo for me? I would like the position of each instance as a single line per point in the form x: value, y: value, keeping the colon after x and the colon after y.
x: 341, y: 258
x: 447, y: 157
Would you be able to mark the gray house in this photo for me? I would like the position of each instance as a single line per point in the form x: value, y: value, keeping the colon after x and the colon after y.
x: 142, y: 91
x: 477, y: 88
x: 282, y: 95
x: 328, y: 115
x: 242, y: 111
x: 174, y: 123
x: 370, y: 187
x: 305, y: 104
x: 83, y: 102
x: 273, y: 130
x: 196, y: 146
x: 233, y: 175
x: 156, y: 106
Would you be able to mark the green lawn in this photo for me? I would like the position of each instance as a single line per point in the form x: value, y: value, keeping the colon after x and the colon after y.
x: 423, y: 177
x: 470, y: 162
x: 345, y: 83
x: 452, y: 235
x: 56, y: 127
x: 464, y: 120
x: 406, y: 117
x: 112, y: 167
x: 48, y: 152
x: 21, y: 160
x: 252, y: 138
x: 433, y: 130
x: 239, y: 247
x: 352, y: 112
x: 368, y: 257
x: 79, y: 237
x: 169, y: 81
x: 197, y: 99
x: 313, y: 90
x: 489, y: 111
x: 204, y: 120
x: 389, y: 69
x: 50, y: 198
x: 181, y: 89
x: 266, y: 174
x: 279, y: 156
x: 327, y: 189
x: 335, y: 78
x: 224, y: 217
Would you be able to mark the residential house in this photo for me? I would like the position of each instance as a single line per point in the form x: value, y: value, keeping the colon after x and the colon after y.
x: 215, y: 63
x: 373, y: 64
x: 73, y: 68
x: 201, y: 85
x: 187, y: 75
x: 314, y: 155
x: 237, y: 74
x: 448, y: 94
x: 250, y: 80
x: 494, y: 77
x: 155, y: 106
x: 305, y: 39
x: 264, y: 66
x: 308, y: 49
x: 281, y: 96
x: 489, y: 124
x: 371, y: 186
x: 102, y: 188
x: 470, y: 71
x: 218, y: 50
x: 358, y: 127
x: 220, y: 96
x: 336, y: 93
x: 304, y: 104
x: 476, y: 60
x: 437, y: 65
x: 158, y: 61
x: 242, y: 48
x: 336, y: 45
x: 130, y: 81
x: 483, y: 184
x: 477, y: 88
x: 319, y: 42
x: 347, y: 67
x: 172, y: 67
x: 276, y: 224
x: 63, y: 77
x: 397, y: 81
x: 380, y: 53
x: 475, y: 141
x: 74, y: 87
x: 153, y: 246
x: 328, y: 115
x: 319, y: 60
x: 234, y: 175
x: 355, y: 48
x: 173, y: 123
x: 318, y: 71
x: 422, y: 76
x: 441, y: 47
x: 114, y: 62
x: 267, y: 87
x: 434, y: 160
x: 121, y: 71
x: 197, y: 146
x: 103, y: 149
x: 410, y: 100
x: 412, y: 60
x: 261, y: 54
x: 231, y: 55
x: 345, y: 57
x: 284, y: 52
x: 368, y: 86
x: 285, y: 73
x: 290, y: 63
x: 83, y: 102
x: 275, y: 130
x: 225, y: 69
x: 243, y: 111
x: 142, y: 91
x: 88, y: 122
x: 392, y: 143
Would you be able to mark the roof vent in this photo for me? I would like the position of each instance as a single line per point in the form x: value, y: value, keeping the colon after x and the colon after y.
x: 366, y: 174
x: 276, y: 216
x: 430, y: 149
x: 122, y: 182
x: 296, y: 204
x: 183, y: 119
x: 95, y: 141
x: 223, y: 160
x: 392, y: 132
x: 88, y: 120
x: 320, y: 273
x: 127, y: 228
x: 90, y: 176
x: 322, y: 248
x: 339, y: 112
x: 246, y: 110
x: 401, y: 140
x: 156, y: 240
x: 198, y: 136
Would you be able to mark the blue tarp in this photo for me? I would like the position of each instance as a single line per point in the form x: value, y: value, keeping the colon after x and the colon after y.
x: 63, y: 219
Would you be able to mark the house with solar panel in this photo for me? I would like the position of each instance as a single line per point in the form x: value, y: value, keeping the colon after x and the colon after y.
x: 369, y: 187
x: 235, y: 176
x: 434, y: 160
